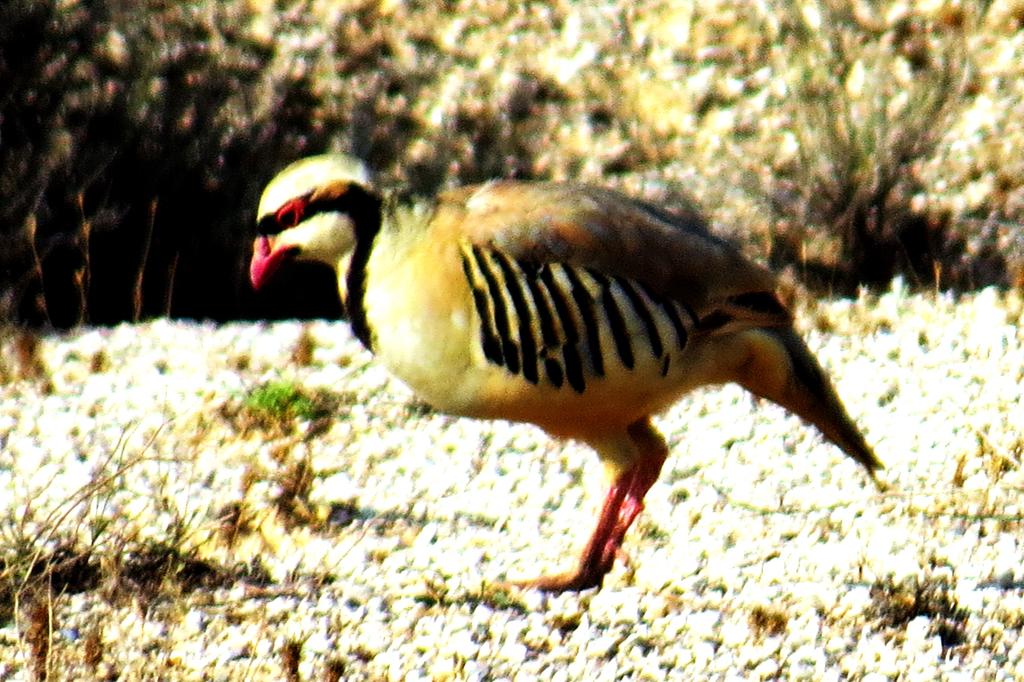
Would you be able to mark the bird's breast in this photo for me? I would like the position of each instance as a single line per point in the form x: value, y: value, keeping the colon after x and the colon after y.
x: 420, y: 314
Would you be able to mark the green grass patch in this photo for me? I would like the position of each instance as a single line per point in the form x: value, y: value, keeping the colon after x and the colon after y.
x: 283, y: 400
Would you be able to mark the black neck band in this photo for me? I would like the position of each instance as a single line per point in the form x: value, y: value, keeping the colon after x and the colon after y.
x: 365, y: 210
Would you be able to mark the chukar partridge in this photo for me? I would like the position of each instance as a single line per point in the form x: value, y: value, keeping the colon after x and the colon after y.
x: 568, y: 306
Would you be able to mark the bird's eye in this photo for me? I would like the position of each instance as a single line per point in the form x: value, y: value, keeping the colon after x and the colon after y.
x: 291, y: 213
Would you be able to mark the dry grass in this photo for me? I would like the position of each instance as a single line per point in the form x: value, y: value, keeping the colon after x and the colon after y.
x: 768, y: 621
x: 895, y: 605
x: 870, y: 101
x: 849, y: 142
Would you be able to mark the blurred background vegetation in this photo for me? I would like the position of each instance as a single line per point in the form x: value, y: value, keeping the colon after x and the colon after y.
x: 843, y: 143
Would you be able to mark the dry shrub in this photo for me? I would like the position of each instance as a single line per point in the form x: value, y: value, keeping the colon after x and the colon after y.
x: 870, y: 100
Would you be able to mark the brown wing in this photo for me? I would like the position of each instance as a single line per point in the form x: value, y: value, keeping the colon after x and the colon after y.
x: 672, y: 255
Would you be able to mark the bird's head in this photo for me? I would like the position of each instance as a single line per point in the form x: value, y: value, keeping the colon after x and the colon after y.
x: 314, y: 210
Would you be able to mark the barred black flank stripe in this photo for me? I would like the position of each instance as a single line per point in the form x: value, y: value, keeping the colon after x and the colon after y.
x: 554, y: 372
x: 488, y: 339
x: 585, y: 304
x: 558, y: 298
x: 677, y: 323
x: 570, y: 353
x: 501, y: 322
x: 617, y: 323
x: 549, y: 335
x: 527, y: 342
x: 690, y: 312
x: 643, y: 312
x: 573, y: 368
x: 548, y: 331
x: 668, y: 306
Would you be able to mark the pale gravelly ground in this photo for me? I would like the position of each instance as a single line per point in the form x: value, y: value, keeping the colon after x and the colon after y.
x: 762, y: 553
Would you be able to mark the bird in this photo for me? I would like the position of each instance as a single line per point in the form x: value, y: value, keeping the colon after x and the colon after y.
x: 569, y: 306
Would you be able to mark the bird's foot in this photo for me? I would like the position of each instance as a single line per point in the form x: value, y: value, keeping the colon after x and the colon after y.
x: 571, y: 581
x: 593, y: 566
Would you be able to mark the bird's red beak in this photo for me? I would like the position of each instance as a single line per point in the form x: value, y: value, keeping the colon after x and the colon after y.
x: 266, y: 260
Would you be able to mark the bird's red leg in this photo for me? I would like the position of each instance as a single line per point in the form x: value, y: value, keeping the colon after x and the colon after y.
x: 622, y: 504
x: 599, y: 553
x: 644, y: 474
